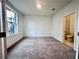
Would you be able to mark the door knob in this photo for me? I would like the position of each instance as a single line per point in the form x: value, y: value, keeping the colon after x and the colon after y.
x: 78, y: 33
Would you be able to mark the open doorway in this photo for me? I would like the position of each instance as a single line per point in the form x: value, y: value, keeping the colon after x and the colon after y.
x: 69, y: 29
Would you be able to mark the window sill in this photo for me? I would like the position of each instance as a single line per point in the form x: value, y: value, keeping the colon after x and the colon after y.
x: 8, y: 35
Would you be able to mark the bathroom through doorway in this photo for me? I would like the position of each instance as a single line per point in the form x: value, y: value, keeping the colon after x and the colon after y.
x: 69, y: 29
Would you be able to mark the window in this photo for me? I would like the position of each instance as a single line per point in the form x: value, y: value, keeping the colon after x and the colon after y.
x: 12, y: 21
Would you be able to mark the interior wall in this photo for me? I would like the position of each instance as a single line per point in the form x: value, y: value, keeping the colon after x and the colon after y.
x: 14, y: 38
x: 37, y: 26
x: 69, y: 24
x: 72, y: 23
x: 58, y: 20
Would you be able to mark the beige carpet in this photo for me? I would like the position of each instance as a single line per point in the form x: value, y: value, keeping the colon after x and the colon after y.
x: 41, y: 48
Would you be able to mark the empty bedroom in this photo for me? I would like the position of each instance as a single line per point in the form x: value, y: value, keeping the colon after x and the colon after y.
x: 39, y: 29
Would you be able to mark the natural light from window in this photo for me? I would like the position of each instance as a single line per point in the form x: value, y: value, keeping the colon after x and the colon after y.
x: 12, y: 22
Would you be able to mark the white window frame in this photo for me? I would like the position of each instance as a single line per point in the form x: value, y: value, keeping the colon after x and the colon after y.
x: 16, y: 22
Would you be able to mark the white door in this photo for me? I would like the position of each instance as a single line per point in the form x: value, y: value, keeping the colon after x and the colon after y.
x: 77, y: 39
x: 3, y: 50
x: 78, y: 34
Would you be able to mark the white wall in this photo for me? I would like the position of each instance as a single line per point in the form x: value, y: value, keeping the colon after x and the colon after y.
x: 58, y: 21
x: 14, y: 38
x: 72, y: 23
x: 37, y: 26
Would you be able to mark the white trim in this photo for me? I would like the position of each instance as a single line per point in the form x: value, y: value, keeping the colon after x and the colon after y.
x: 11, y: 35
x: 77, y: 46
x: 17, y: 31
x: 75, y: 29
x: 11, y: 9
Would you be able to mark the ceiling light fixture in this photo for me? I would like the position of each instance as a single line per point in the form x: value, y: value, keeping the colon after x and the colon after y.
x: 39, y: 6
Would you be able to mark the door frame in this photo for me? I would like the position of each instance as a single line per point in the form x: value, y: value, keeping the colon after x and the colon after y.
x: 77, y: 43
x: 3, y: 30
x: 75, y: 29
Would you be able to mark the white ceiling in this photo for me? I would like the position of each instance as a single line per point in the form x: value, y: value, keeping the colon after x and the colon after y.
x: 28, y: 7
